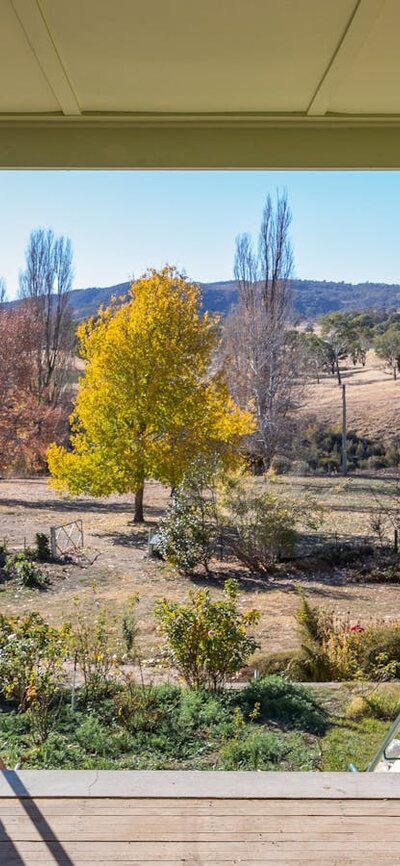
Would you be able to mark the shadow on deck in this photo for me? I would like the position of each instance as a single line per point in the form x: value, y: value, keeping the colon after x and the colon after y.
x: 77, y: 818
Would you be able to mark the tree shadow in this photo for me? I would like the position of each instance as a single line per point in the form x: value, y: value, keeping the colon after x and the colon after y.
x: 268, y: 583
x: 137, y: 540
x: 78, y: 505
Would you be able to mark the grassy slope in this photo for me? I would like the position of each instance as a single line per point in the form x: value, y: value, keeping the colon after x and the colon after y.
x: 373, y: 404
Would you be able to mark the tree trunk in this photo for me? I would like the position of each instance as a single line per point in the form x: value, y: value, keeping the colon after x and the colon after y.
x: 139, y: 518
x: 339, y: 378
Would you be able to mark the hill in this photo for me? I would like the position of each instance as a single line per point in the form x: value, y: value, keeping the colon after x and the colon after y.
x: 217, y: 298
x: 312, y: 297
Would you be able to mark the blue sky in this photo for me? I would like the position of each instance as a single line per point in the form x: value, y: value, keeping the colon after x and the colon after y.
x: 346, y: 225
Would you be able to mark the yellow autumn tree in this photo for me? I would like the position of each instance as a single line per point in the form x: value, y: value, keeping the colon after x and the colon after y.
x: 147, y: 403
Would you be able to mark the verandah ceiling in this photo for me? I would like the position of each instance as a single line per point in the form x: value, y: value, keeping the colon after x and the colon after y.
x: 200, y: 83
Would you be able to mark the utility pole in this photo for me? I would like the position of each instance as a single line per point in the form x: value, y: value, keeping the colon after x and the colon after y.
x: 344, y: 432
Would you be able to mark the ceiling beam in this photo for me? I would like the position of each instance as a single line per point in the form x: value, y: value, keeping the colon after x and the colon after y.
x: 82, y: 145
x: 34, y: 25
x: 360, y: 25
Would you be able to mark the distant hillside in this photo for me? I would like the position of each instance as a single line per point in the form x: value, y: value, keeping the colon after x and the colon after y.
x: 217, y: 298
x: 312, y: 298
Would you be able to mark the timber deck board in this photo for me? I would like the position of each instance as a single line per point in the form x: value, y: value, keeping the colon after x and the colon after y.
x: 305, y: 824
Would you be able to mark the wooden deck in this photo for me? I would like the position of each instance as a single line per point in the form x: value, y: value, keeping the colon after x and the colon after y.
x: 83, y: 818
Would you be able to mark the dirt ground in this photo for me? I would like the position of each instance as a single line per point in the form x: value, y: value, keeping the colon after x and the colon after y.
x: 122, y: 566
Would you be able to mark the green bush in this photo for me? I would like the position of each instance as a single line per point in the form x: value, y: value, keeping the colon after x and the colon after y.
x: 201, y: 710
x: 42, y: 543
x: 207, y: 640
x: 379, y: 651
x: 138, y: 707
x: 280, y: 464
x: 266, y: 750
x: 3, y: 555
x: 21, y: 567
x: 262, y: 527
x: 189, y: 529
x: 279, y: 700
x: 31, y: 660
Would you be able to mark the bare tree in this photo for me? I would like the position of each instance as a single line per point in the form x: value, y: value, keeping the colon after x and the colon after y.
x: 45, y: 285
x: 3, y: 291
x: 259, y: 345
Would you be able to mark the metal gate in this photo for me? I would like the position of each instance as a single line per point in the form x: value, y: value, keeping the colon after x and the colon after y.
x: 67, y: 540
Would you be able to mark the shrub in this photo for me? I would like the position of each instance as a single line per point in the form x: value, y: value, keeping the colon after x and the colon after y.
x: 200, y: 710
x: 129, y: 626
x: 356, y: 709
x: 31, y: 659
x: 263, y: 526
x: 42, y: 541
x: 21, y: 567
x: 321, y: 449
x: 280, y: 464
x: 376, y: 463
x: 267, y: 750
x: 189, y: 529
x: 382, y: 705
x: 333, y: 648
x: 94, y: 645
x: 207, y: 640
x: 300, y: 467
x: 138, y: 706
x: 379, y: 651
x: 3, y: 554
x: 287, y: 703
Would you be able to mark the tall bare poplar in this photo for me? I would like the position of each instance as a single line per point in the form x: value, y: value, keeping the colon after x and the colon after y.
x: 258, y: 347
x: 45, y: 285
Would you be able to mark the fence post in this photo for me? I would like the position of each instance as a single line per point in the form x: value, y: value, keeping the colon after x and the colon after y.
x: 53, y: 542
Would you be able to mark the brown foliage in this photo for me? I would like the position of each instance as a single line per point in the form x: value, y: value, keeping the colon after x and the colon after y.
x: 29, y: 420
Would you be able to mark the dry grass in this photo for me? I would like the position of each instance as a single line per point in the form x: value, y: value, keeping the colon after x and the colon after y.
x: 347, y: 503
x: 122, y: 568
x: 373, y: 405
